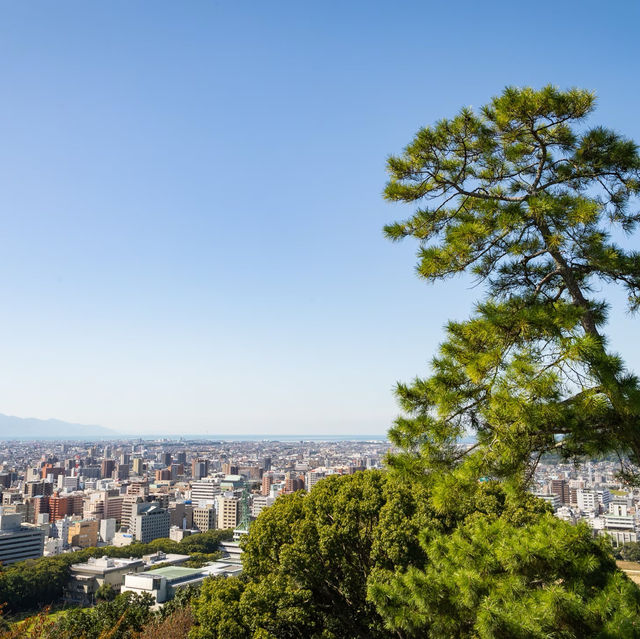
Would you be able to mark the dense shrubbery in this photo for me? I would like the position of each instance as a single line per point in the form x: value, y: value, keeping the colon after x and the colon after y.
x: 369, y: 556
x: 31, y: 584
x: 629, y: 552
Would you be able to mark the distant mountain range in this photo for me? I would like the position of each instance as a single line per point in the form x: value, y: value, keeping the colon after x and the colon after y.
x: 32, y: 428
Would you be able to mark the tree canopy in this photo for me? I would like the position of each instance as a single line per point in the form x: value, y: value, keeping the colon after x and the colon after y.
x: 525, y: 197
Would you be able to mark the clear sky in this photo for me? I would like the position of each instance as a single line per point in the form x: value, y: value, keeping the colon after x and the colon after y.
x: 190, y: 208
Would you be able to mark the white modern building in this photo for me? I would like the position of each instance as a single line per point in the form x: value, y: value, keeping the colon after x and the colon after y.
x: 204, y: 490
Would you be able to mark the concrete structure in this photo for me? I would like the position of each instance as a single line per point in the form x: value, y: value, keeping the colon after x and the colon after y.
x: 227, y: 512
x: 162, y: 583
x: 85, y: 579
x: 19, y: 541
x: 259, y: 503
x: 178, y: 534
x: 232, y: 482
x: 181, y: 513
x: 231, y: 551
x: 84, y: 533
x: 151, y: 522
x: 204, y: 518
x: 122, y: 538
x: 60, y: 530
x: 204, y: 490
x: 313, y: 477
x: 107, y: 530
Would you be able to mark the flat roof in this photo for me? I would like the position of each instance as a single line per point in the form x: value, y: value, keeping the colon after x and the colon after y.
x: 174, y: 572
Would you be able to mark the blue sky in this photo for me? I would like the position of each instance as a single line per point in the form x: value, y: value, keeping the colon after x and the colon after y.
x: 190, y: 198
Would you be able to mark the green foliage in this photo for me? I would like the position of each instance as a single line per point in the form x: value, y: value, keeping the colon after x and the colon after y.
x: 491, y: 579
x: 199, y: 559
x: 523, y: 197
x: 217, y: 610
x: 310, y: 559
x: 369, y: 556
x: 122, y: 618
x: 630, y: 551
x: 106, y: 593
x: 307, y: 559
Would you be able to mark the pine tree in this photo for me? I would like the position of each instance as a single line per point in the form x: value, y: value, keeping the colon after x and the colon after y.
x: 524, y: 197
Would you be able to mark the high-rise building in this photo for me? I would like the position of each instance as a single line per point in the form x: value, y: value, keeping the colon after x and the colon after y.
x: 107, y: 467
x: 61, y: 505
x: 138, y: 465
x: 267, y: 481
x: 181, y: 514
x: 19, y: 541
x: 313, y: 477
x: 150, y: 522
x: 293, y: 483
x: 107, y: 530
x: 129, y: 503
x: 259, y: 503
x: 165, y: 459
x: 181, y: 458
x: 561, y: 488
x: 204, y: 490
x: 37, y: 487
x: 266, y: 463
x: 122, y: 472
x: 163, y: 474
x: 106, y: 504
x: 138, y: 488
x: 84, y: 533
x: 54, y: 471
x: 204, y: 518
x: 229, y: 468
x: 227, y: 511
x: 177, y: 470
x: 199, y: 468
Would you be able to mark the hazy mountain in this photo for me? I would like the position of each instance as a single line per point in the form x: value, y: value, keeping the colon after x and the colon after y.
x: 31, y: 428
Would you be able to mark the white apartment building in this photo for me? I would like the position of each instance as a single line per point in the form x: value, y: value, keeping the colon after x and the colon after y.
x: 589, y: 499
x: 259, y: 503
x: 204, y: 490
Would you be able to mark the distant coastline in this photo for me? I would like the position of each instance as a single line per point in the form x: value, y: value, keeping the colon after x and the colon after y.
x: 200, y: 437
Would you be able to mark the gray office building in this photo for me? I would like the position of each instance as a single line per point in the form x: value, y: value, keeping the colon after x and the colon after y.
x: 19, y: 541
x: 150, y: 522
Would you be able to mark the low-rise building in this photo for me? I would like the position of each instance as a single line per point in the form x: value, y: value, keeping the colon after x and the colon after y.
x: 85, y: 579
x: 162, y: 583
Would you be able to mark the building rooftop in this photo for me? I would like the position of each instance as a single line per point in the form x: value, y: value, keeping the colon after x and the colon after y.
x: 173, y: 573
x: 101, y: 565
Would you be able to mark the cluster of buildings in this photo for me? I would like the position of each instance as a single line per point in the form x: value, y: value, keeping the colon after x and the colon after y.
x: 159, y: 574
x: 592, y: 493
x: 62, y: 496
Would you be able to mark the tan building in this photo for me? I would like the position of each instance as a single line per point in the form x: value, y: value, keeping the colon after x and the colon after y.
x: 204, y: 518
x: 83, y: 534
x: 227, y: 512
